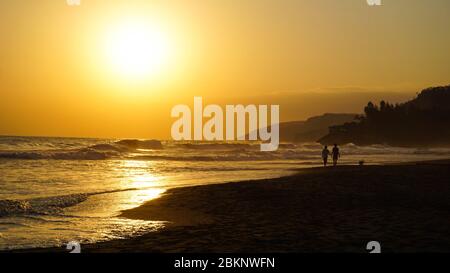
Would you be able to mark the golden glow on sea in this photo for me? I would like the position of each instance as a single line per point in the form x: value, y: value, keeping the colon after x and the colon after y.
x: 138, y: 175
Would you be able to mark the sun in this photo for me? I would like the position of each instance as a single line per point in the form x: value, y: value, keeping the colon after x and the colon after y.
x: 136, y: 49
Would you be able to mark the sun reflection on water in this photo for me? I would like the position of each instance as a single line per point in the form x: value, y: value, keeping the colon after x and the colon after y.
x: 140, y: 175
x: 137, y: 183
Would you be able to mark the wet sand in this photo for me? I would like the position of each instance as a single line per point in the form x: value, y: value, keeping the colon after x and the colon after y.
x: 404, y: 207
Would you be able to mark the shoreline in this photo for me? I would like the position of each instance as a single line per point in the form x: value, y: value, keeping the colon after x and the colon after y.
x: 404, y: 206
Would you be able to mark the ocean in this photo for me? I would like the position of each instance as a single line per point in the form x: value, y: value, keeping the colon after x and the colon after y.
x: 56, y: 190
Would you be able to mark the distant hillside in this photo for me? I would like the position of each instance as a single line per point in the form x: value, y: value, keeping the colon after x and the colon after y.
x: 423, y: 121
x: 313, y: 128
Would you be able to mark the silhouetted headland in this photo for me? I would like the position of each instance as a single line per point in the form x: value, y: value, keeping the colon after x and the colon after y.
x: 423, y: 121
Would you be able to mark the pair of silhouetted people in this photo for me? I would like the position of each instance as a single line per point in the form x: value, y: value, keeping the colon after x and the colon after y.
x: 334, y: 154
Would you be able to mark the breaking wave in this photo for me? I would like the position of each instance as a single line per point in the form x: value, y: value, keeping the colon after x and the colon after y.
x: 40, y: 205
x: 69, y: 155
x: 96, y: 149
x: 48, y: 205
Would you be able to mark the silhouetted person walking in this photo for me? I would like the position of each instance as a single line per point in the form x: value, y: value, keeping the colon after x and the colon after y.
x: 325, y: 154
x: 335, y: 153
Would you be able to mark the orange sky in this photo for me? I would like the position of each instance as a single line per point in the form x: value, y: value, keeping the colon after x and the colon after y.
x: 57, y: 79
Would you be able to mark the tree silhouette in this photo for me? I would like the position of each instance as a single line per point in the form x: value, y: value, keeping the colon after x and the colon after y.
x: 423, y: 121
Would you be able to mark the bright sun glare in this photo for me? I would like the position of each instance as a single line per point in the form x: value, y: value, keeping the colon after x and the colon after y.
x: 136, y: 49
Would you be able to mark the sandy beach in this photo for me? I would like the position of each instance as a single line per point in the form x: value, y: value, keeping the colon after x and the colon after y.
x: 404, y: 207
